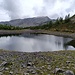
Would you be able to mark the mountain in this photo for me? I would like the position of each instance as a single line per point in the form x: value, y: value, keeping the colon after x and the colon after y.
x: 26, y: 22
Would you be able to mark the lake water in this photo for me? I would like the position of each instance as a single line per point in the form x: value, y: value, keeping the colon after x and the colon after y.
x: 35, y: 43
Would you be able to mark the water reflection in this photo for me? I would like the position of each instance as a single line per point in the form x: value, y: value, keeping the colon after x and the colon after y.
x: 33, y: 43
x: 71, y: 43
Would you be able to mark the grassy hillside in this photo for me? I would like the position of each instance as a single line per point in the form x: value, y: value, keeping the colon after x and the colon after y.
x: 9, y: 27
x: 63, y: 25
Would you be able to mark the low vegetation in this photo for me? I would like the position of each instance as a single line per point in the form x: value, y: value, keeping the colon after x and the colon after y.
x: 63, y: 25
x: 60, y: 24
x: 9, y: 27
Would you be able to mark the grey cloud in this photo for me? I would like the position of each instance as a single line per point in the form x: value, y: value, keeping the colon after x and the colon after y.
x: 49, y: 2
x: 71, y: 8
x: 54, y: 15
x: 48, y: 8
x: 38, y: 12
x: 51, y: 9
x: 47, y: 5
x: 12, y: 8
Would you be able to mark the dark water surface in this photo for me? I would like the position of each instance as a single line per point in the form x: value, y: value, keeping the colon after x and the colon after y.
x: 35, y: 43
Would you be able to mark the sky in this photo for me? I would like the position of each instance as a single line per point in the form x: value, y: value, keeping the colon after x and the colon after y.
x: 19, y: 9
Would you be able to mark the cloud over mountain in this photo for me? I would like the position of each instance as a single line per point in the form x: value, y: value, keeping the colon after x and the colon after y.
x: 14, y: 9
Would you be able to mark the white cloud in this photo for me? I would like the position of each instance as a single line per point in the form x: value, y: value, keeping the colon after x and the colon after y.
x: 13, y: 9
x: 57, y: 8
x: 4, y: 16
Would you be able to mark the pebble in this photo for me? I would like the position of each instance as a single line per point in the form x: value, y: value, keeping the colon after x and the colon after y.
x: 11, y: 72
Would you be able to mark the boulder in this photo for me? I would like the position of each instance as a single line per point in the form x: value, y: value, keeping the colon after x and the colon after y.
x: 68, y: 72
x: 3, y: 63
x: 58, y: 70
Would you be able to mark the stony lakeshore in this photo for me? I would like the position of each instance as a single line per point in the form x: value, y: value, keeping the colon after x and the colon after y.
x: 28, y: 31
x: 37, y: 63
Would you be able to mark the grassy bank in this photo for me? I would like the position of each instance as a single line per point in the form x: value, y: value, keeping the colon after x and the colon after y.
x: 11, y: 32
x: 60, y: 25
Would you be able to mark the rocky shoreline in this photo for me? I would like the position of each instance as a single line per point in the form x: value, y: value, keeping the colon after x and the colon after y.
x: 18, y: 32
x: 37, y: 63
x: 64, y: 34
x: 11, y: 32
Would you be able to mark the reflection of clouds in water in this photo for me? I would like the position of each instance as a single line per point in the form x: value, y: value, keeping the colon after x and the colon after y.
x: 20, y: 44
x: 49, y: 43
x: 4, y: 41
x: 35, y: 43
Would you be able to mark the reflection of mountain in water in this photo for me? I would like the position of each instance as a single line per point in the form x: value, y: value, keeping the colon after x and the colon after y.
x: 71, y: 43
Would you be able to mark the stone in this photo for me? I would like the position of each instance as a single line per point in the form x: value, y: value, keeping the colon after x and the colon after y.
x: 3, y: 63
x: 68, y: 62
x: 6, y: 68
x: 26, y: 74
x: 29, y: 64
x: 23, y: 66
x: 2, y: 69
x: 58, y: 70
x: 11, y: 72
x: 33, y: 72
x: 68, y: 72
x: 1, y: 73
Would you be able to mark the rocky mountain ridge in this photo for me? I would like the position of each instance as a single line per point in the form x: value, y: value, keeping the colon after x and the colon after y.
x: 26, y: 22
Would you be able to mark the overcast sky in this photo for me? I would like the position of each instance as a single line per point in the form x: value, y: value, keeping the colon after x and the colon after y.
x: 15, y: 9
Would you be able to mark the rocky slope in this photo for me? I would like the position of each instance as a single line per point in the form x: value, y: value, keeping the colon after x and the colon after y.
x: 35, y: 21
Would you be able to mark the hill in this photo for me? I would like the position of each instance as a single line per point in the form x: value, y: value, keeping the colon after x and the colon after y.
x: 27, y: 22
x: 60, y: 24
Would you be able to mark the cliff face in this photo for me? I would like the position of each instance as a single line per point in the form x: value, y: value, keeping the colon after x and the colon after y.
x: 35, y: 21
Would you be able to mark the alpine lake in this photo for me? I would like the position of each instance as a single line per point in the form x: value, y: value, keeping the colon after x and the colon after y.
x: 36, y: 43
